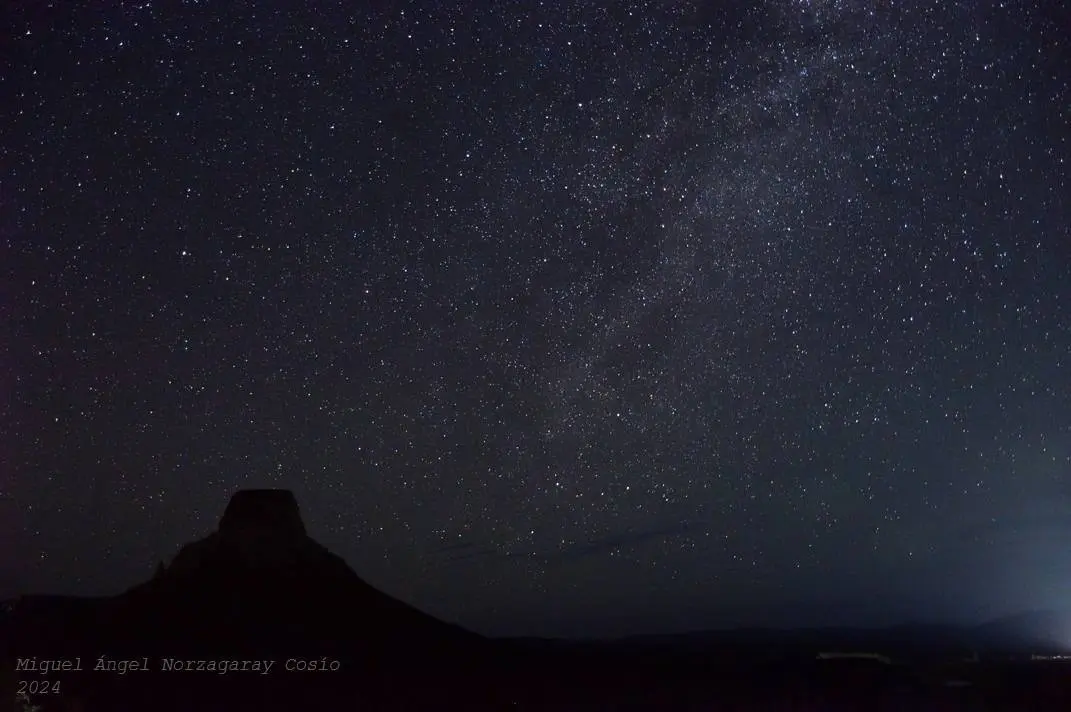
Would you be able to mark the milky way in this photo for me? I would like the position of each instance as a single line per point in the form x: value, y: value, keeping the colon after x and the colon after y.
x: 555, y: 318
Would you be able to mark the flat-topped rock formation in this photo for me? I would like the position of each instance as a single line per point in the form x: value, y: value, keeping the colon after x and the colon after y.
x: 256, y: 587
x: 260, y: 528
x: 271, y: 510
x: 261, y: 574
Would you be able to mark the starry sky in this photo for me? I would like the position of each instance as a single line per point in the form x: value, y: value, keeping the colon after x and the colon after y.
x: 567, y: 318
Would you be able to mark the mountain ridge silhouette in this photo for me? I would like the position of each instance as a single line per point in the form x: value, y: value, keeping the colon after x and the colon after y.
x: 259, y: 587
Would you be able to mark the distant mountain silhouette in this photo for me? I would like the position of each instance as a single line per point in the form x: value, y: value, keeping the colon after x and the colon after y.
x: 1032, y: 629
x: 1020, y: 634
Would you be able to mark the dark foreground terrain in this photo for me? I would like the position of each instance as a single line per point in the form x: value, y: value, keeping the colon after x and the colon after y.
x: 261, y: 617
x: 503, y: 678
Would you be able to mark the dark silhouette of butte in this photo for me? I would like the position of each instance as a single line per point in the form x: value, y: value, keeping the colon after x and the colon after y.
x: 256, y: 588
x: 267, y: 509
x: 259, y: 566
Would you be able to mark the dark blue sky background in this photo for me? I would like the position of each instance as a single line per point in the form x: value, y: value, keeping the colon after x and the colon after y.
x: 556, y: 318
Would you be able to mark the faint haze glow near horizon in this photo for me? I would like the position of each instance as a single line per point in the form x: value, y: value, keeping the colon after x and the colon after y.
x: 557, y: 319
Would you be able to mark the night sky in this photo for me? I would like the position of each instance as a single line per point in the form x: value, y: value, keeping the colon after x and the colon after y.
x: 557, y: 317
